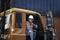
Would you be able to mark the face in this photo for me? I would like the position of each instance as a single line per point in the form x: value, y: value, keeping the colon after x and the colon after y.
x: 31, y: 20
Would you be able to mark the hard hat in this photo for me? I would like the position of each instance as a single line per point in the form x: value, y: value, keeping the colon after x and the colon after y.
x: 31, y: 17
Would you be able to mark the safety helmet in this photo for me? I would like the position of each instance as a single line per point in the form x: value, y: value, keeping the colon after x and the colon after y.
x: 31, y: 17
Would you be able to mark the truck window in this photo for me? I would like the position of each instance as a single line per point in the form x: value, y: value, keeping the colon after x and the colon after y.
x: 18, y: 23
x: 36, y: 19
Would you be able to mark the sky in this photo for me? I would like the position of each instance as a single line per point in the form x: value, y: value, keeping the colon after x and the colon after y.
x: 42, y: 6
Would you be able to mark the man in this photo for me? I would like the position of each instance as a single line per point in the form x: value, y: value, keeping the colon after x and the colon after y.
x: 29, y: 26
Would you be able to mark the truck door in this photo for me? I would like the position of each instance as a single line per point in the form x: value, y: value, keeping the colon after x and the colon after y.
x: 18, y: 27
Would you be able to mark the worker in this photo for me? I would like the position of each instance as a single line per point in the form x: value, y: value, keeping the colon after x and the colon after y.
x: 29, y: 26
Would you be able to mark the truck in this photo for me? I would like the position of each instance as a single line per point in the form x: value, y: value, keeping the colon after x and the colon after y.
x: 16, y: 29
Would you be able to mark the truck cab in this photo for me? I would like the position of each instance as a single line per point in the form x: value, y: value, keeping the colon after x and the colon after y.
x: 17, y: 24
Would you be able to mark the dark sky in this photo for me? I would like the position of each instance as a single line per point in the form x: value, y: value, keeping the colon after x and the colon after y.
x: 39, y: 5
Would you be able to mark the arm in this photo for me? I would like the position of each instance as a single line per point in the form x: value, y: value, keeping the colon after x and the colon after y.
x: 27, y: 25
x: 35, y: 27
